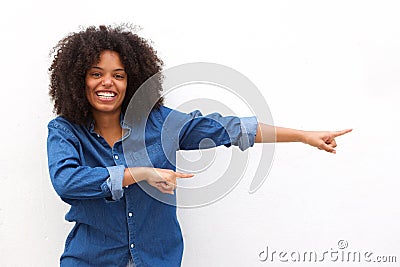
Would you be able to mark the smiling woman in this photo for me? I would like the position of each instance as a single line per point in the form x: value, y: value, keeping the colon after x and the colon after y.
x: 105, y: 90
x: 94, y: 75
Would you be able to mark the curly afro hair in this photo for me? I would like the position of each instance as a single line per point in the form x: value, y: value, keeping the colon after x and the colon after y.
x: 78, y: 52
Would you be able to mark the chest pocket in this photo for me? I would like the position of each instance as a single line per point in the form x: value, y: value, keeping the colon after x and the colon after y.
x: 151, y: 156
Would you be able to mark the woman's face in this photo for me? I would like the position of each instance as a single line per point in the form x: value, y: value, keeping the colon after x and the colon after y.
x: 106, y: 84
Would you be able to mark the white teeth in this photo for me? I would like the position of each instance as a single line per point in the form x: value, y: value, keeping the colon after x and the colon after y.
x: 106, y: 94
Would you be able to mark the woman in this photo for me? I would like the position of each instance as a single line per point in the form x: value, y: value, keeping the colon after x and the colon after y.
x: 94, y: 75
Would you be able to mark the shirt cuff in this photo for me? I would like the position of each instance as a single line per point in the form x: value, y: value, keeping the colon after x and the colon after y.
x: 248, y: 127
x: 114, y: 182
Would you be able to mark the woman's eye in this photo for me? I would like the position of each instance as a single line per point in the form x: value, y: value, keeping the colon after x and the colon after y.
x: 119, y: 76
x: 96, y: 75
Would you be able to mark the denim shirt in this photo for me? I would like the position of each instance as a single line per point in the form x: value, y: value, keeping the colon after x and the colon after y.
x: 113, y: 223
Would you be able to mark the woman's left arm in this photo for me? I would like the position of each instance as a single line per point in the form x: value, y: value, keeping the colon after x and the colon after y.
x: 324, y: 140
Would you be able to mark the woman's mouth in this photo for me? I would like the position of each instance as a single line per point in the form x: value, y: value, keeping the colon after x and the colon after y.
x: 105, y: 95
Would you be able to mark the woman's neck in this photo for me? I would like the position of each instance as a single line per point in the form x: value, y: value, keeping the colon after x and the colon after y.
x: 108, y: 126
x: 106, y: 121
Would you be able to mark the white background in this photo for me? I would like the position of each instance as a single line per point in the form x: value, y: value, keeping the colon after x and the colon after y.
x: 319, y: 64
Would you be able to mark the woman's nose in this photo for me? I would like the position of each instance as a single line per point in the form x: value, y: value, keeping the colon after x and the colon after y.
x: 107, y: 81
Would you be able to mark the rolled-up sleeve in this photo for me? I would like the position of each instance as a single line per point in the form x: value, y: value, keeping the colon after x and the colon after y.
x: 248, y: 127
x: 114, y: 182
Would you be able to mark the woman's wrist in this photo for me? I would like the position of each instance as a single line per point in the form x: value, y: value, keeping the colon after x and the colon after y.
x: 134, y: 175
x: 128, y: 178
x: 302, y: 136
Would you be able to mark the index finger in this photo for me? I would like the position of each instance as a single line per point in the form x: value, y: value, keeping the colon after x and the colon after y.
x: 183, y: 175
x: 342, y: 132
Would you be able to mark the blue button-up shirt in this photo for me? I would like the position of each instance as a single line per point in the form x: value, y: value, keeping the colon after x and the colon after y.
x: 114, y: 224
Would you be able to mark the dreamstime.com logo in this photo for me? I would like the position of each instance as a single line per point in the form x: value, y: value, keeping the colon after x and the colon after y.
x: 339, y: 254
x: 231, y: 82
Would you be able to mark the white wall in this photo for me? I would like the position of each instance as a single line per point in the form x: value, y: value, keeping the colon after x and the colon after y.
x: 320, y: 65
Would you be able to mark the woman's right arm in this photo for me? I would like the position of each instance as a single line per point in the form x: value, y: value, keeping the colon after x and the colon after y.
x: 71, y: 180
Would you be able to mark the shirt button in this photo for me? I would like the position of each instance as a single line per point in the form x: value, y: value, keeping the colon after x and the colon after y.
x: 132, y: 245
x: 98, y: 135
x: 130, y: 214
x: 116, y: 157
